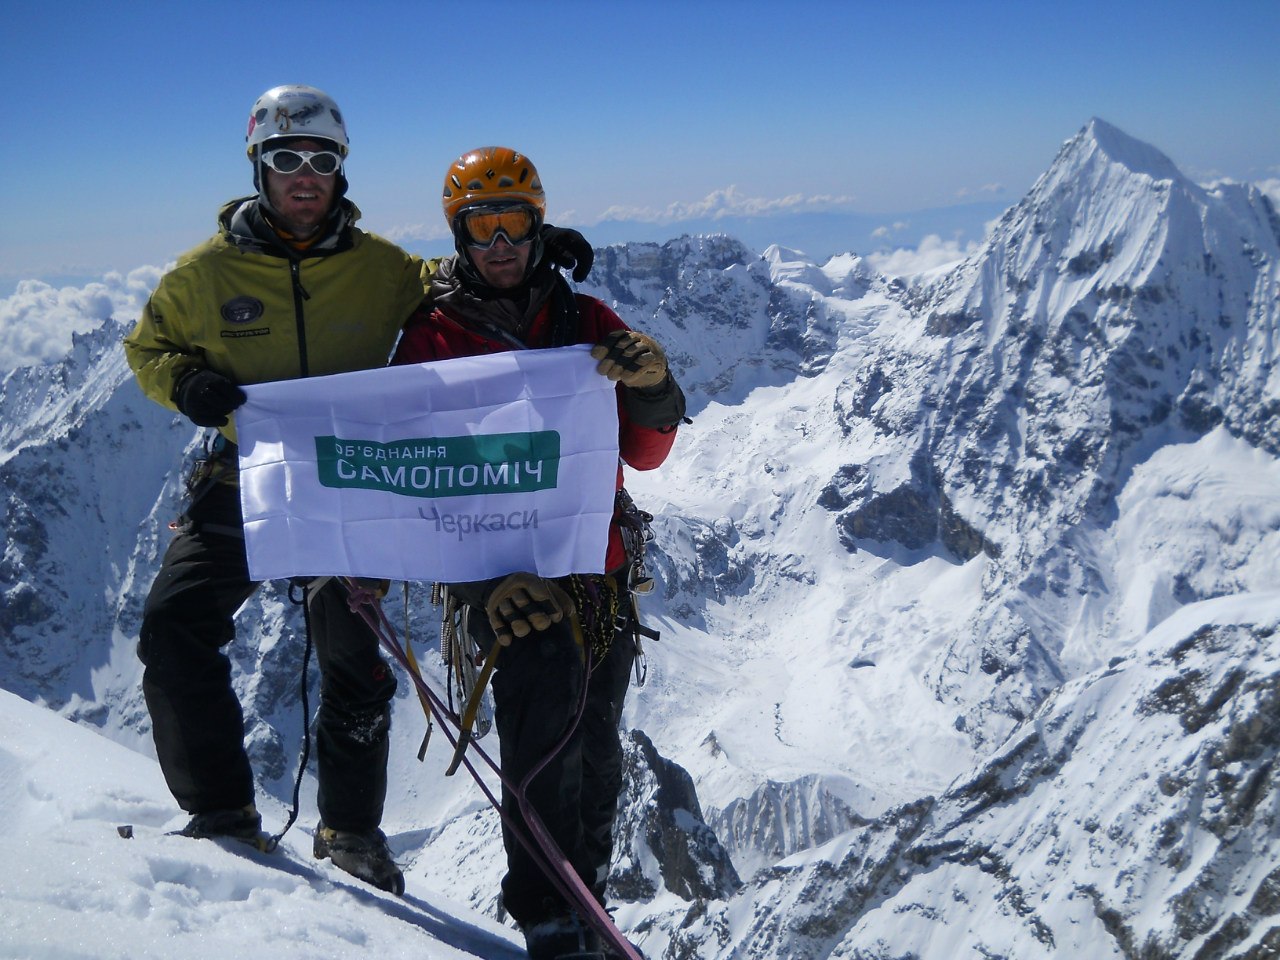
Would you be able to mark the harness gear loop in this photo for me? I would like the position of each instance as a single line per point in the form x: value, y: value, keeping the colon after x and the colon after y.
x: 472, y: 708
x: 637, y: 534
x: 460, y: 653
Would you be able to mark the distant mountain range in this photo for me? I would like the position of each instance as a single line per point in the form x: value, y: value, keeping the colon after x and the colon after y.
x: 820, y: 235
x: 967, y: 589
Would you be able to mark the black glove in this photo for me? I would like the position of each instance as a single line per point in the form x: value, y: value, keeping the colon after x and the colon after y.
x: 658, y: 408
x: 568, y: 248
x: 523, y: 603
x: 206, y: 398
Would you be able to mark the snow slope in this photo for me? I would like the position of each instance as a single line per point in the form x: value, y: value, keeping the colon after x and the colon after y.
x: 74, y: 890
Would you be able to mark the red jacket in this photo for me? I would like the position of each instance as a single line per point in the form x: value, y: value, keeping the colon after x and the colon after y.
x: 432, y: 334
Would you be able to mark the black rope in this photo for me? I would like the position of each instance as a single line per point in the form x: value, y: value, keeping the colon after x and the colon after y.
x: 274, y: 841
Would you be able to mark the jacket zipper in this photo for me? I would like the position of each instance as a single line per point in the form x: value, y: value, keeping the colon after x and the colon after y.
x: 300, y: 296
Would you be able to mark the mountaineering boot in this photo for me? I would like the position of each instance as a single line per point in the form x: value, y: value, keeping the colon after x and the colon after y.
x: 562, y: 937
x: 241, y: 823
x: 362, y: 853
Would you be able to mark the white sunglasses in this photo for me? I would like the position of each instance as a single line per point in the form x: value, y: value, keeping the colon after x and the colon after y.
x: 323, y: 162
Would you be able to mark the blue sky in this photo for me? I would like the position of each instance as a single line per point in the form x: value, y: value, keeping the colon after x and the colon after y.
x: 125, y: 122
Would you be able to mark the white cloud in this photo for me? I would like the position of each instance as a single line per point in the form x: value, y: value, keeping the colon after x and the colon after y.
x: 717, y: 205
x: 932, y: 254
x: 439, y: 230
x: 725, y: 203
x: 987, y: 189
x: 37, y: 320
x: 417, y: 231
x: 883, y: 232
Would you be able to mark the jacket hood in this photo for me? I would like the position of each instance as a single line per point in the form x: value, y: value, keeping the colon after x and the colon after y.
x: 243, y: 224
x: 454, y: 289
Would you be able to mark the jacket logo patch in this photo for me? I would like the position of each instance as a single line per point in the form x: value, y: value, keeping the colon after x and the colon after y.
x: 242, y: 310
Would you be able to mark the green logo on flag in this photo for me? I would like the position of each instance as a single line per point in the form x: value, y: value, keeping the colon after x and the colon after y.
x: 443, y: 466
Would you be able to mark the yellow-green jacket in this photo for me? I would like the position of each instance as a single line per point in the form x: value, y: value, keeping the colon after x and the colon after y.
x: 248, y: 307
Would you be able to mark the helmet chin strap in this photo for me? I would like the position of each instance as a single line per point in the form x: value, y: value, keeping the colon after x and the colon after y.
x: 260, y: 181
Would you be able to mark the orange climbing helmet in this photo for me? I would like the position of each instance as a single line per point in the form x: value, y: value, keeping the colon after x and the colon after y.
x: 492, y: 175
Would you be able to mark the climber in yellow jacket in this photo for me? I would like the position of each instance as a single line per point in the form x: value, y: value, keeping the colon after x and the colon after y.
x: 289, y: 287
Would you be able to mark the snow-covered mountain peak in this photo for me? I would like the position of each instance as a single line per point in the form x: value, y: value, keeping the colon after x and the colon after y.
x: 1101, y: 139
x: 1109, y: 314
x: 1110, y: 215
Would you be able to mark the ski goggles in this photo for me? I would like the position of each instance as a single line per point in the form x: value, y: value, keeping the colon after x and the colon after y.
x: 480, y: 226
x: 284, y: 160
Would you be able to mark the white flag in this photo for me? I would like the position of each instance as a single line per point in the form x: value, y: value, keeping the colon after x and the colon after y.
x: 454, y: 470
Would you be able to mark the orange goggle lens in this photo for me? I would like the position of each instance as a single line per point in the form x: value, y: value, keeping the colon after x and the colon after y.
x: 481, y: 227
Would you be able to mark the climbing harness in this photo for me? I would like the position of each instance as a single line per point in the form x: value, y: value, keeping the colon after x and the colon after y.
x: 220, y: 464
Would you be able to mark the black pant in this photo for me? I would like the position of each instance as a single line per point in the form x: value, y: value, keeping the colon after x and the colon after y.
x: 196, y: 719
x: 536, y: 686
